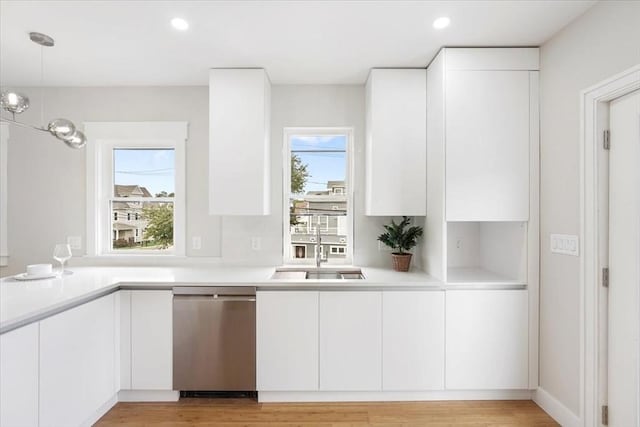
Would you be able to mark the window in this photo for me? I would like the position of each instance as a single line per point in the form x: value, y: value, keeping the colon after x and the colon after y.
x: 300, y: 251
x: 143, y: 184
x: 136, y: 171
x: 338, y: 250
x: 318, y: 199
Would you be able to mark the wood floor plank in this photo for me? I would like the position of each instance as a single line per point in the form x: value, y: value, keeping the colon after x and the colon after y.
x: 249, y: 413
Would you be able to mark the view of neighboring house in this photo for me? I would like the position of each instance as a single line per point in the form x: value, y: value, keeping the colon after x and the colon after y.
x: 127, y: 223
x: 326, y: 209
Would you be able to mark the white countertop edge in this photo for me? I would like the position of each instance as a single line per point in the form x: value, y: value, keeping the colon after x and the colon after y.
x: 376, y: 279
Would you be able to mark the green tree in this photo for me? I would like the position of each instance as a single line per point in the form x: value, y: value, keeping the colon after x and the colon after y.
x: 164, y: 194
x: 299, y: 174
x: 159, y: 224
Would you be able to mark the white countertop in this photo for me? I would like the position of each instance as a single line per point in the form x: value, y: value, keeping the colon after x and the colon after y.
x: 22, y: 302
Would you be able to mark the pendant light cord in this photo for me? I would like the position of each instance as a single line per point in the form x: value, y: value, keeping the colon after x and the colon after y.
x: 42, y: 85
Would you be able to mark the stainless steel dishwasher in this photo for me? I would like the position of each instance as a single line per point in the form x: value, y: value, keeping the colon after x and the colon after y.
x: 214, y: 338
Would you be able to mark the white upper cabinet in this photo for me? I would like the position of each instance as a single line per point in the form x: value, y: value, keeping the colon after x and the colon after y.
x: 488, y: 129
x: 396, y: 142
x: 239, y: 151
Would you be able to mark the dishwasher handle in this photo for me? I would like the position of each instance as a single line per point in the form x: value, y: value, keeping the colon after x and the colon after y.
x: 217, y: 292
x: 217, y: 298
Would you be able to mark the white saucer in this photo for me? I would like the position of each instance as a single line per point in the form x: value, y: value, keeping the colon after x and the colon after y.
x: 26, y: 276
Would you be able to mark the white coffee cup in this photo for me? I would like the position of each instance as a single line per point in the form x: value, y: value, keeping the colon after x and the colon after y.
x: 39, y: 269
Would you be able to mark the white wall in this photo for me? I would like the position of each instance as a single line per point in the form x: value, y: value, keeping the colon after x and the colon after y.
x: 602, y: 42
x: 47, y: 180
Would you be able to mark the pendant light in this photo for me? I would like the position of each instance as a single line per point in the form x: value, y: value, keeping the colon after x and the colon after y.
x: 16, y: 103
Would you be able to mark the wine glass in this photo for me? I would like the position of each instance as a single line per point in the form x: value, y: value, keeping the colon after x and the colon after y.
x: 62, y: 253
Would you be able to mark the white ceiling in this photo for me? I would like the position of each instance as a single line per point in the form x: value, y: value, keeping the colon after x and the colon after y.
x: 105, y: 43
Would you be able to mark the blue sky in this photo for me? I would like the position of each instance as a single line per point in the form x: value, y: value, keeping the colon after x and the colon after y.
x: 154, y: 169
x: 323, y: 167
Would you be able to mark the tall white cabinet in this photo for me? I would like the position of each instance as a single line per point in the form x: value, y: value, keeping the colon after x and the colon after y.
x: 396, y: 136
x: 239, y: 141
x: 482, y: 211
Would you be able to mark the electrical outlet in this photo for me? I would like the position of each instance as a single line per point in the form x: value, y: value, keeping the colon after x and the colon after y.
x: 256, y: 243
x: 196, y: 242
x: 75, y: 242
x: 565, y: 244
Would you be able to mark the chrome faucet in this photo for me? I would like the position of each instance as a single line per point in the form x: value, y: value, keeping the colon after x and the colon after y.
x: 319, y: 259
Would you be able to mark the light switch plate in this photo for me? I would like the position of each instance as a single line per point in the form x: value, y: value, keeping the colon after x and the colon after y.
x: 256, y: 243
x: 196, y: 243
x: 566, y: 244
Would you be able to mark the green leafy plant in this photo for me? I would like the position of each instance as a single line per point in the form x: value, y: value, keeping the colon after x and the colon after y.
x: 160, y: 224
x: 400, y: 238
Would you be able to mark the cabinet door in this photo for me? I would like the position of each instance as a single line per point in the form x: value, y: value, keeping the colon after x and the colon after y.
x: 77, y: 363
x: 413, y: 341
x: 487, y: 344
x: 487, y: 145
x: 239, y: 128
x: 151, y: 340
x: 350, y: 341
x: 19, y: 377
x: 396, y: 142
x: 287, y: 341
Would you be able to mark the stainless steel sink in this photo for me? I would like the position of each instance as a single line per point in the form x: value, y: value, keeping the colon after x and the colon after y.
x: 317, y: 274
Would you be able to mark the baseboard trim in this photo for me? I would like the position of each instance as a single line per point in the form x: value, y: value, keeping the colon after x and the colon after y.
x: 148, y: 396
x: 391, y: 396
x: 103, y: 409
x: 555, y: 409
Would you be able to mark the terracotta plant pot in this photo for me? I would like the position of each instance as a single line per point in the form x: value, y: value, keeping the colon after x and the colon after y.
x: 401, y: 262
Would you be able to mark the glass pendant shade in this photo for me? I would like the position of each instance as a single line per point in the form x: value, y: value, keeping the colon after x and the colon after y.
x: 14, y: 102
x: 76, y: 140
x: 61, y: 128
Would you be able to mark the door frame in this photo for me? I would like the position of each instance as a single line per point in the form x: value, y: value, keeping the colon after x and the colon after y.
x: 594, y: 113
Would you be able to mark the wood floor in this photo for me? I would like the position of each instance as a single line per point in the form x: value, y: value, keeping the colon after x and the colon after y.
x: 248, y: 413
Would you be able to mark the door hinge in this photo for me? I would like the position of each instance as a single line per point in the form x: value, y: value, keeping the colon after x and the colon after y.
x: 605, y: 415
x: 606, y: 140
x: 605, y: 277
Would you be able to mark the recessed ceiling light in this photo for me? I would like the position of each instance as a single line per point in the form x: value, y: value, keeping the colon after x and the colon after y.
x: 442, y: 22
x: 180, y: 24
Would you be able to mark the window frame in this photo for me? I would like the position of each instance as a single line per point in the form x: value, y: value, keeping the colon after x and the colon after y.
x: 289, y: 132
x: 104, y: 137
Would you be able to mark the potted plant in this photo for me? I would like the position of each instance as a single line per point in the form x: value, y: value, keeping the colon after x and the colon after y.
x: 401, y: 238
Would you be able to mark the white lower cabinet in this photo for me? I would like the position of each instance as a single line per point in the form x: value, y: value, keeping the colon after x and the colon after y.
x: 412, y: 340
x: 77, y: 363
x: 350, y: 341
x: 287, y: 341
x: 487, y: 343
x: 19, y: 377
x: 151, y: 340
